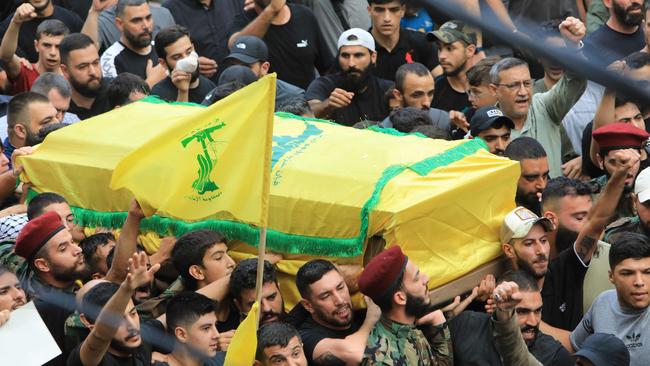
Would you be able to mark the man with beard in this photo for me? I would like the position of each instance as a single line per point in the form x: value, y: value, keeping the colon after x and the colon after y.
x: 397, y: 46
x: 408, y: 332
x: 414, y: 87
x: 620, y: 36
x: 296, y: 45
x: 353, y: 94
x: 56, y: 262
x: 640, y: 223
x: 489, y: 124
x: 534, y: 171
x: 242, y: 289
x: 43, y: 10
x: 27, y: 113
x: 80, y: 66
x: 525, y: 241
x: 456, y: 46
x: 611, y: 139
x: 133, y: 53
x: 471, y: 331
x: 108, y: 311
x: 330, y: 334
x: 172, y: 45
x: 48, y: 37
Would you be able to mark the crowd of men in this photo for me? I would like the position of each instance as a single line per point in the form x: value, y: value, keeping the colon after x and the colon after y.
x: 577, y: 291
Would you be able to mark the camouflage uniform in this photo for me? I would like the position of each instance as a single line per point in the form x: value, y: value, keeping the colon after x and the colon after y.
x: 155, y: 307
x: 626, y: 224
x: 392, y: 343
x: 75, y: 331
x: 625, y: 205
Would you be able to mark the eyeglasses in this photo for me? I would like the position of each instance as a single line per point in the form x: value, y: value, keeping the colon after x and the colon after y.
x: 516, y: 85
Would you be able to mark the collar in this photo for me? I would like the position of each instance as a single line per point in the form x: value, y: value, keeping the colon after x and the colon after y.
x: 402, y: 42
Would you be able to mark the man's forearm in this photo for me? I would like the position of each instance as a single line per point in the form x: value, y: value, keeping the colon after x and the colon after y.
x: 257, y: 27
x: 7, y: 185
x: 8, y: 50
x: 321, y: 109
x: 91, y: 26
x: 509, y: 342
x: 604, y: 115
x: 126, y: 246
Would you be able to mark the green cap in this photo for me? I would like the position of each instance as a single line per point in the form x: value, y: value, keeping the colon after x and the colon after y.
x: 452, y: 31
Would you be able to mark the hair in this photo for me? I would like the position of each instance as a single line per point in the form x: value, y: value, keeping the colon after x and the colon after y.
x: 48, y: 81
x: 407, y: 118
x: 523, y: 148
x: 36, y: 206
x: 362, y: 125
x: 415, y: 68
x: 95, y: 299
x: 433, y: 132
x: 51, y: 27
x: 381, y: 2
x: 4, y: 269
x: 244, y: 276
x: 637, y: 60
x: 628, y: 245
x: 311, y: 272
x: 18, y: 108
x: 168, y: 36
x: 73, y: 42
x: 46, y: 130
x: 479, y: 74
x: 122, y: 4
x: 523, y: 279
x: 89, y: 247
x: 503, y: 65
x: 121, y: 88
x: 297, y: 106
x: 185, y: 308
x: 550, y: 28
x: 561, y: 187
x: 274, y: 334
x: 222, y: 91
x: 189, y: 251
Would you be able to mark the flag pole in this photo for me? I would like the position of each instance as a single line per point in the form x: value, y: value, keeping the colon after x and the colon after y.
x: 261, y: 250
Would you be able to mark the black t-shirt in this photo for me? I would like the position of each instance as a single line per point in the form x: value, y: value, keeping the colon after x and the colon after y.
x: 606, y: 45
x: 562, y: 291
x: 295, y: 48
x: 118, y: 59
x: 312, y: 333
x: 232, y: 322
x: 369, y: 105
x: 166, y: 90
x: 411, y: 47
x: 141, y: 357
x: 217, y: 360
x: 100, y: 105
x: 473, y: 342
x: 447, y: 99
x: 80, y: 7
x: 54, y: 306
x: 27, y: 32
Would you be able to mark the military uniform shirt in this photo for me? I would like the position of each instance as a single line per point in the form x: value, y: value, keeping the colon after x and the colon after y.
x: 625, y: 225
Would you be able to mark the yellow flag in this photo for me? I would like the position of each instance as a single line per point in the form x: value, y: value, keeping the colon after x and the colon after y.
x: 215, y: 163
x: 242, y: 348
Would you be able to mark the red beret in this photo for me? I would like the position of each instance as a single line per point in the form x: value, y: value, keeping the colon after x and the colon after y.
x: 620, y: 135
x: 36, y: 233
x: 382, y: 273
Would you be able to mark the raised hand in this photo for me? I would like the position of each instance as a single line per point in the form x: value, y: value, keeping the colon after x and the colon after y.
x: 139, y: 275
x: 24, y: 13
x: 573, y: 30
x: 506, y: 296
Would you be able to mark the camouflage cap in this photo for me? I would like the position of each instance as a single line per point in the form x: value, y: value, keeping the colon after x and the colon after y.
x: 452, y: 31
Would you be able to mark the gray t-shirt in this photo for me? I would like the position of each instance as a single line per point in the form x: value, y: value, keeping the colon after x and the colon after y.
x: 629, y: 325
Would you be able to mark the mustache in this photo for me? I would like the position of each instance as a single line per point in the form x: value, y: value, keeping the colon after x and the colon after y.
x: 527, y: 328
x: 132, y: 334
x: 541, y: 258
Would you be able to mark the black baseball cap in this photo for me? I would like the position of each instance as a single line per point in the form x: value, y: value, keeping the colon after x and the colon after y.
x: 249, y: 50
x: 604, y: 350
x: 485, y: 117
x: 237, y: 73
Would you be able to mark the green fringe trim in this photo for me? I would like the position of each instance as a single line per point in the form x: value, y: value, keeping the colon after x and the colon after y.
x: 154, y: 99
x: 427, y: 165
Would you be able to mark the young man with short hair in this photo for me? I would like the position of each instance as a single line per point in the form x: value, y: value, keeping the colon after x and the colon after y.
x: 478, y: 80
x: 408, y: 332
x: 353, y: 94
x: 80, y: 65
x: 243, y: 280
x: 534, y: 171
x: 623, y: 311
x: 492, y: 126
x: 95, y: 249
x: 395, y: 45
x: 126, y: 88
x: 192, y: 320
x: 133, y: 52
x: 279, y: 343
x: 49, y: 35
x: 172, y: 45
x: 330, y: 334
x: 456, y: 47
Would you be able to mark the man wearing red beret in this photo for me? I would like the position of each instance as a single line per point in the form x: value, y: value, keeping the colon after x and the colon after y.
x: 613, y: 139
x: 408, y: 332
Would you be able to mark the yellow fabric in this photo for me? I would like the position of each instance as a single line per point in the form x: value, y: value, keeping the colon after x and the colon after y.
x: 242, y: 348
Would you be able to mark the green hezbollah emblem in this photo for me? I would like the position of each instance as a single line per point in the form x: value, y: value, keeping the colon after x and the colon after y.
x: 203, y: 183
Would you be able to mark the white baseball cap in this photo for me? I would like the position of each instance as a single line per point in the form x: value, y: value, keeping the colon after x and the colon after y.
x: 642, y: 185
x: 356, y: 37
x: 518, y: 222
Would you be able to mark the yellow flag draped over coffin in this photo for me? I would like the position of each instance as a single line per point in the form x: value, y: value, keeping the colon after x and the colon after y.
x: 331, y: 187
